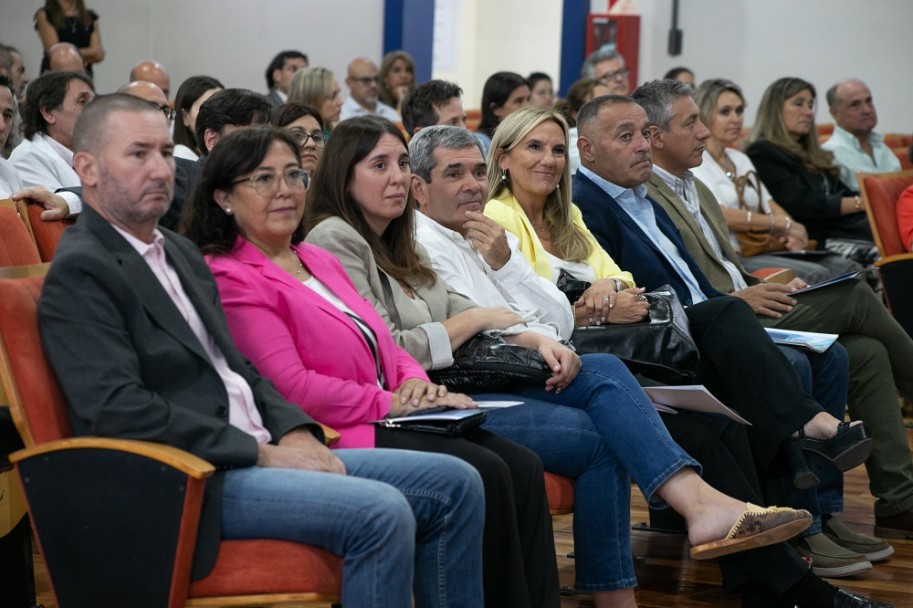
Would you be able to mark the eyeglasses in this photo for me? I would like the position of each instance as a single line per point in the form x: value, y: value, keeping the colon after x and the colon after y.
x: 268, y: 183
x: 302, y: 138
x: 622, y: 73
x: 168, y: 111
x: 367, y: 80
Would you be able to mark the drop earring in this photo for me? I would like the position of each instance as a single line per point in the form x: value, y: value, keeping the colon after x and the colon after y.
x: 503, y: 175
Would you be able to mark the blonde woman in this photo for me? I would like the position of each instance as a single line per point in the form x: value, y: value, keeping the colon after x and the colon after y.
x: 318, y: 88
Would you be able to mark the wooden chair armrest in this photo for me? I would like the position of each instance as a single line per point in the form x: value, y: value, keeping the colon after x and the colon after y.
x: 24, y: 271
x: 180, y: 460
x: 330, y: 435
x: 894, y: 259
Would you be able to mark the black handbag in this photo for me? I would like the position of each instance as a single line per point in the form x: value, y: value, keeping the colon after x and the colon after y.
x: 485, y: 364
x: 660, y: 348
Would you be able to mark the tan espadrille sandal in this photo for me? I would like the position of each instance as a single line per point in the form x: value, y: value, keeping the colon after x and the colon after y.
x: 756, y: 527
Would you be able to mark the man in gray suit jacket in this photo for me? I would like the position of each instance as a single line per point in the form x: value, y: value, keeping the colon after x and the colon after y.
x: 132, y: 326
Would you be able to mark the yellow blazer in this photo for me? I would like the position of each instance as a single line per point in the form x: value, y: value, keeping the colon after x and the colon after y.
x: 506, y: 211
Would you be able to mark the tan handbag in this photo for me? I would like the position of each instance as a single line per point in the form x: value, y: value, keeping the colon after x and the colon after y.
x: 753, y: 243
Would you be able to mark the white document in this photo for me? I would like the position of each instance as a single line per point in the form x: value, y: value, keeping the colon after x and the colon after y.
x: 803, y: 339
x: 694, y: 397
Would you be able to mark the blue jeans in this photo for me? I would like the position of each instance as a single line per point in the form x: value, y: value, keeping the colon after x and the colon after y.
x: 825, y: 377
x: 607, y: 433
x: 393, y: 509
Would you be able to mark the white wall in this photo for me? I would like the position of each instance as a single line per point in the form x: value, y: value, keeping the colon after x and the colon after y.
x: 233, y: 40
x: 753, y: 42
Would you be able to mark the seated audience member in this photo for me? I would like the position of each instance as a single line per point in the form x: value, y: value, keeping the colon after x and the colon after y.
x: 682, y: 74
x: 601, y: 403
x: 172, y: 374
x: 9, y: 179
x: 878, y: 350
x: 397, y: 78
x: 11, y: 62
x: 608, y: 66
x: 318, y: 88
x: 10, y: 184
x: 12, y: 66
x: 435, y: 102
x: 225, y: 111
x: 151, y: 93
x: 44, y: 159
x: 526, y: 198
x: 305, y: 126
x: 746, y: 204
x: 855, y: 145
x: 152, y: 71
x: 477, y: 258
x: 191, y: 95
x: 801, y: 176
x: 288, y: 306
x: 578, y: 95
x: 905, y: 217
x: 675, y: 132
x: 280, y: 72
x: 363, y: 81
x: 503, y: 93
x: 541, y: 90
x: 71, y: 22
x: 63, y: 57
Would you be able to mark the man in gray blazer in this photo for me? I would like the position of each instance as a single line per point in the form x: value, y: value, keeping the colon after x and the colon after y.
x: 132, y: 326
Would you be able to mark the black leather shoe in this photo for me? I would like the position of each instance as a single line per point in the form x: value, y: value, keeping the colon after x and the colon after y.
x: 895, y: 526
x: 845, y: 599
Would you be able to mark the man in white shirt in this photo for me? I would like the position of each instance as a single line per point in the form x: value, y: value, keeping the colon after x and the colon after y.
x: 855, y: 145
x: 363, y: 80
x: 471, y: 252
x: 44, y: 159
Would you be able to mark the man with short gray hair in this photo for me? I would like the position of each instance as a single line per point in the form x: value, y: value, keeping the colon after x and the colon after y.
x: 608, y: 67
x: 856, y: 146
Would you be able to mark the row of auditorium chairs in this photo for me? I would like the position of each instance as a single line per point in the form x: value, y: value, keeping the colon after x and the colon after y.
x: 116, y: 520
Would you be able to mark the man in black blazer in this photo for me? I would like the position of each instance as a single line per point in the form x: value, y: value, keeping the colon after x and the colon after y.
x: 132, y: 326
x: 615, y: 155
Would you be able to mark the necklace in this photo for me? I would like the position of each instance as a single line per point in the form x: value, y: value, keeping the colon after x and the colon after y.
x: 298, y: 270
x: 725, y: 164
x: 540, y: 227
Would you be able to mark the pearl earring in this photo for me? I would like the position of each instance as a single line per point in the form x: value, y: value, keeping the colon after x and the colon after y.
x: 503, y: 175
x: 228, y: 211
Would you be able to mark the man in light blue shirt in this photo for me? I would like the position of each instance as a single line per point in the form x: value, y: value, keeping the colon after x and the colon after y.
x: 855, y: 145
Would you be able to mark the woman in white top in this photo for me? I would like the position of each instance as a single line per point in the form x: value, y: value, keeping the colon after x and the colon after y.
x: 745, y: 201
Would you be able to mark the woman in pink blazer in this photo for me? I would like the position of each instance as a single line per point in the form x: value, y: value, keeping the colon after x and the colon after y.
x: 296, y: 315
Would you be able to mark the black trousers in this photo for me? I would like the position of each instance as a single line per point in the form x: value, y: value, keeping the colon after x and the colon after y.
x: 518, y: 547
x: 745, y: 370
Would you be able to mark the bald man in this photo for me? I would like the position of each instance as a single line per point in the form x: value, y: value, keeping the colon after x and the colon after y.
x: 855, y: 144
x: 64, y: 57
x: 363, y: 81
x: 154, y: 72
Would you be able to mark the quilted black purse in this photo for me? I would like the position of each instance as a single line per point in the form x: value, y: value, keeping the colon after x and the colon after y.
x: 660, y: 347
x: 486, y: 364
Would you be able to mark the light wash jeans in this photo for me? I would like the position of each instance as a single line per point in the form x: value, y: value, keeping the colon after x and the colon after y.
x: 393, y: 510
x: 607, y: 433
